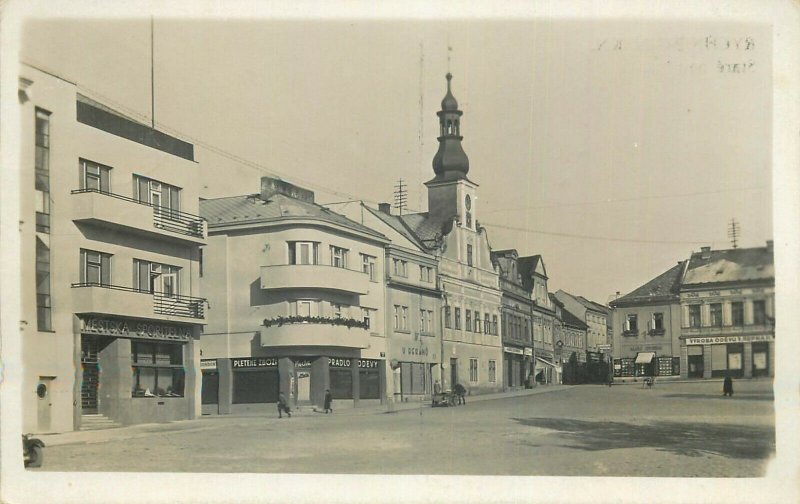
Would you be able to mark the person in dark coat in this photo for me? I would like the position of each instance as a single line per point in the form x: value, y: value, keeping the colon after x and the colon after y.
x: 460, y: 392
x: 282, y: 406
x: 727, y: 387
x: 328, y: 400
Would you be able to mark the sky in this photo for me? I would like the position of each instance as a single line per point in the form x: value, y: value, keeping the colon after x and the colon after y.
x: 613, y: 148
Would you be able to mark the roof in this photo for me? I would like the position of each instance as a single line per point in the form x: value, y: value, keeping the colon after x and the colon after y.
x: 252, y: 209
x: 527, y: 268
x: 662, y: 288
x: 426, y: 228
x: 568, y: 318
x: 732, y: 265
x: 591, y: 304
x: 396, y: 223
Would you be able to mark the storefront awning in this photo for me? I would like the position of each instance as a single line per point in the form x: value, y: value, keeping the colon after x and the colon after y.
x: 644, y: 357
x: 544, y: 361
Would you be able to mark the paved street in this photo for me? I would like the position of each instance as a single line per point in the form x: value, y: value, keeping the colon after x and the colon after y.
x: 676, y: 429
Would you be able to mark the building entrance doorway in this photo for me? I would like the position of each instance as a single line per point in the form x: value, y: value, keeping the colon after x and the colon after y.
x: 453, y: 372
x: 90, y: 348
x: 45, y: 403
x: 304, y: 386
x: 695, y: 361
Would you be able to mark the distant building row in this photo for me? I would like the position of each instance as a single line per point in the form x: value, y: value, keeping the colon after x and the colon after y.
x: 711, y: 315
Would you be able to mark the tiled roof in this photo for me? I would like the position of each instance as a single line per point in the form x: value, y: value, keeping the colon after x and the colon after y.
x: 732, y: 265
x: 568, y: 318
x: 252, y: 209
x: 396, y: 223
x: 591, y: 304
x: 661, y: 288
x: 527, y: 267
x: 426, y: 228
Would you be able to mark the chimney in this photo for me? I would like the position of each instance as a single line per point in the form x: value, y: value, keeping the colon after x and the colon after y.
x: 705, y: 252
x: 385, y: 208
x: 770, y: 247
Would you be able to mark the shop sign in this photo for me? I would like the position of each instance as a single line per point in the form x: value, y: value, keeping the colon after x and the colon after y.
x: 345, y: 363
x: 421, y: 350
x: 517, y: 351
x: 645, y: 348
x: 710, y: 340
x: 128, y: 328
x: 208, y: 363
x: 254, y: 362
x: 302, y: 363
x: 529, y: 352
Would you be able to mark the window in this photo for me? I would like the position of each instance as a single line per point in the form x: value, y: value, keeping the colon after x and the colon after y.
x: 492, y: 371
x: 94, y: 176
x: 43, y: 301
x: 632, y: 324
x: 400, y: 268
x: 423, y: 321
x: 157, y: 194
x: 487, y: 325
x: 42, y: 171
x: 458, y: 318
x: 157, y: 369
x: 338, y: 310
x: 338, y: 257
x: 447, y: 317
x: 368, y: 266
x: 365, y: 316
x: 200, y: 261
x: 421, y: 273
x: 527, y: 331
x: 425, y: 274
x: 469, y: 255
x: 303, y: 253
x: 759, y: 312
x: 477, y: 322
x: 304, y: 307
x: 694, y: 315
x: 473, y: 370
x: 716, y: 314
x: 401, y: 318
x: 468, y: 323
x: 505, y: 324
x: 737, y: 313
x: 494, y: 325
x: 155, y: 277
x: 95, y: 268
x: 658, y: 322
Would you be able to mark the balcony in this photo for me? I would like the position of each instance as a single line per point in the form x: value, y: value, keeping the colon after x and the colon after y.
x: 115, y: 211
x: 314, y: 333
x: 129, y: 302
x: 314, y: 276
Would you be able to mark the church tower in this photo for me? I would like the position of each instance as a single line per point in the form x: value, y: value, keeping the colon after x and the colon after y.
x: 450, y: 192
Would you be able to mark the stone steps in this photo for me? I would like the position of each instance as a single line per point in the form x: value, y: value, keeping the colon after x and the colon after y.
x: 96, y: 421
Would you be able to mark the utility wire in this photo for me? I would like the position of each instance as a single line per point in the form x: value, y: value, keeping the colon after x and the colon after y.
x: 588, y: 237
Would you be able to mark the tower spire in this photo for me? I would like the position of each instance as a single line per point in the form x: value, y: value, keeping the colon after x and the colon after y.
x: 450, y: 161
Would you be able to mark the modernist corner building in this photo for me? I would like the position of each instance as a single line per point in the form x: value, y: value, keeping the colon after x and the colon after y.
x: 110, y: 264
x: 710, y: 316
x: 297, y: 295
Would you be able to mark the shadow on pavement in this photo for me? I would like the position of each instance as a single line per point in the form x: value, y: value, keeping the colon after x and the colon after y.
x: 680, y: 438
x: 735, y: 397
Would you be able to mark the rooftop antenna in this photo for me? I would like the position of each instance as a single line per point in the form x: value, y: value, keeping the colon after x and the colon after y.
x: 400, y: 196
x: 733, y: 233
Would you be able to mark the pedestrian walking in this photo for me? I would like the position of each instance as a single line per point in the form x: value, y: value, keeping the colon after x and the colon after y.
x: 282, y: 406
x: 460, y: 392
x: 328, y: 400
x: 727, y: 386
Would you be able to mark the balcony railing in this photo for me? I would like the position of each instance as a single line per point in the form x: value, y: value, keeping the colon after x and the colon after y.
x: 164, y: 218
x: 163, y: 303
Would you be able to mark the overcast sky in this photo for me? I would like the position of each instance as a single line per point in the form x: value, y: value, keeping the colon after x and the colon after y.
x: 613, y: 149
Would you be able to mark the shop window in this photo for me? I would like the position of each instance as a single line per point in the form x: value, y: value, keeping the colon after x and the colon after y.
x: 157, y: 369
x: 341, y: 383
x: 694, y: 315
x: 664, y: 366
x: 303, y: 252
x: 412, y: 378
x: 759, y: 312
x: 473, y: 370
x: 252, y: 386
x: 369, y: 384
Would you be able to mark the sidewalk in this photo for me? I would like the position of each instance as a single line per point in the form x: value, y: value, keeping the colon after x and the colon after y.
x: 210, y: 422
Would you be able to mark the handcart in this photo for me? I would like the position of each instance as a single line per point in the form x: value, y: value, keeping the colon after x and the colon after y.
x: 444, y: 399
